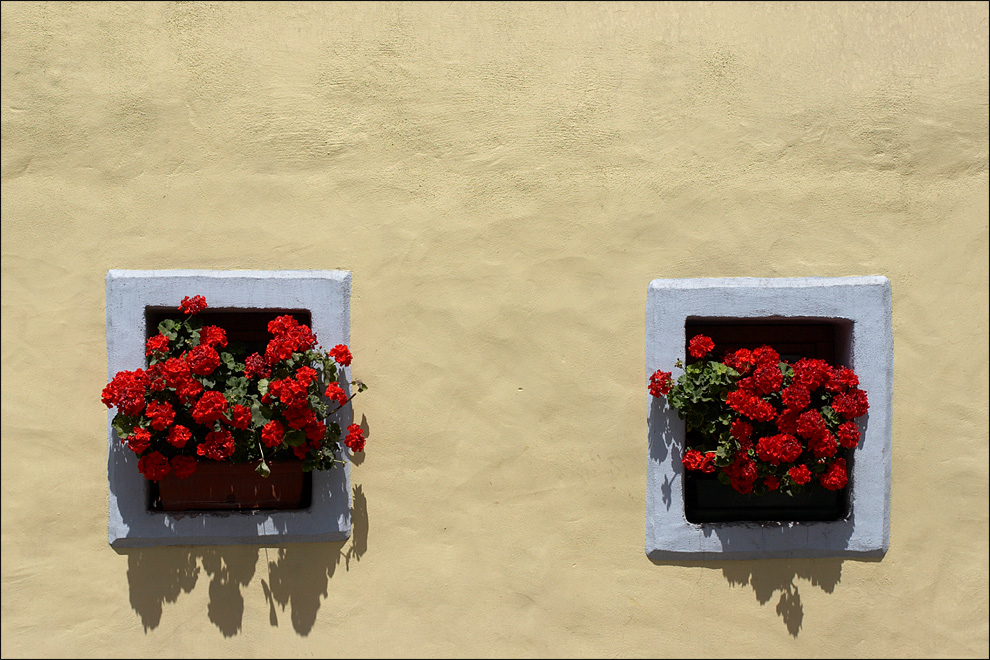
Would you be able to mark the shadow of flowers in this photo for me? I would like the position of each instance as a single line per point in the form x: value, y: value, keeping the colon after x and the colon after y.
x: 298, y: 576
x: 768, y: 577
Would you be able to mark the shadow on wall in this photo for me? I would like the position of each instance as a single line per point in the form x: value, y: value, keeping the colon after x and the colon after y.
x: 298, y: 576
x: 769, y: 576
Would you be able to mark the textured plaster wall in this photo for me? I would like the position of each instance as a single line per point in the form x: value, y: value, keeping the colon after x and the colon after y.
x: 503, y: 181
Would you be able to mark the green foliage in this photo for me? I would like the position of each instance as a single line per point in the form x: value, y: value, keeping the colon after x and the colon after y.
x: 699, y: 398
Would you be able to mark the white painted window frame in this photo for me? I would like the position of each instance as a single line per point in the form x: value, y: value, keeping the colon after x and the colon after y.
x: 866, y: 302
x: 326, y: 294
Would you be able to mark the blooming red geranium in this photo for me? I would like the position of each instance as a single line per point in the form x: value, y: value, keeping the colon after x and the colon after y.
x: 193, y: 305
x: 355, y: 438
x: 700, y: 346
x: 762, y: 423
x: 660, y: 383
x: 203, y: 397
x: 341, y: 354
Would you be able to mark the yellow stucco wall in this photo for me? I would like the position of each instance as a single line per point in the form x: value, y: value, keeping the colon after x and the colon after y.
x: 503, y: 181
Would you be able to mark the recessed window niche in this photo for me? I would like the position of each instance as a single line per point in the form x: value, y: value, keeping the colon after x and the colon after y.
x: 243, y: 302
x: 845, y: 321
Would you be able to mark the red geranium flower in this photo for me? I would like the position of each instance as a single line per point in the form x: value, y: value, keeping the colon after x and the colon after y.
x: 203, y: 360
x: 800, y: 474
x: 341, y: 354
x: 823, y: 446
x: 218, y: 445
x: 742, y: 473
x: 161, y: 415
x: 256, y: 367
x: 742, y: 431
x: 336, y: 393
x: 193, y: 305
x: 176, y: 372
x: 660, y: 383
x: 700, y: 346
x: 139, y: 441
x: 796, y: 397
x: 851, y: 404
x: 240, y: 416
x: 848, y: 434
x: 188, y: 390
x: 299, y: 417
x: 210, y: 407
x: 740, y: 360
x: 126, y: 391
x: 290, y: 392
x: 764, y: 356
x: 810, y: 424
x: 158, y: 343
x: 841, y: 379
x: 178, y: 436
x: 693, y: 459
x: 777, y: 449
x: 272, y: 434
x: 154, y: 466
x: 812, y: 373
x: 211, y: 335
x: 355, y: 438
x: 746, y: 403
x: 835, y: 478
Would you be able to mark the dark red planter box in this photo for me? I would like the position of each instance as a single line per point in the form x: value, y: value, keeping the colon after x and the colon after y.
x: 217, y: 486
x: 707, y: 500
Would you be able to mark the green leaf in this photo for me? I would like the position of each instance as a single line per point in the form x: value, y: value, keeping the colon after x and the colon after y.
x: 228, y: 360
x: 257, y: 416
x: 123, y: 426
x: 263, y: 386
x: 831, y: 417
x: 724, y: 454
x: 236, y: 388
x: 263, y: 469
x: 169, y: 328
x: 295, y: 438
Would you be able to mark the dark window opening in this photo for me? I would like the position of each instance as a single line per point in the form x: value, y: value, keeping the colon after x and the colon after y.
x: 706, y: 500
x: 248, y: 327
x: 247, y: 332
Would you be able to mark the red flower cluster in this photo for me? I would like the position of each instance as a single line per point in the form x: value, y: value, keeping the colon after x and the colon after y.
x: 660, y: 383
x: 126, y: 391
x: 193, y: 305
x: 355, y: 438
x: 341, y: 354
x: 197, y: 400
x: 772, y: 424
x: 290, y: 337
x: 695, y: 460
x: 256, y: 367
x: 700, y: 346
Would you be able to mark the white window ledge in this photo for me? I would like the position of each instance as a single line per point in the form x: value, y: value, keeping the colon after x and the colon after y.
x: 863, y: 301
x: 326, y: 295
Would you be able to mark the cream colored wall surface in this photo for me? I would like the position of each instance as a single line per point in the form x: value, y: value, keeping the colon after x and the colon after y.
x: 503, y: 180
